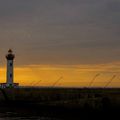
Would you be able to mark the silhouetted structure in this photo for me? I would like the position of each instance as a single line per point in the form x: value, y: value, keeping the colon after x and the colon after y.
x: 10, y: 71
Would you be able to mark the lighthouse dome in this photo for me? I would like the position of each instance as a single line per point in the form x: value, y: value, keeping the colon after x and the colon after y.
x: 10, y: 55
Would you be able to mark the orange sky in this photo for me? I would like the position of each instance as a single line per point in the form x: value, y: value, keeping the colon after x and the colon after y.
x: 72, y: 75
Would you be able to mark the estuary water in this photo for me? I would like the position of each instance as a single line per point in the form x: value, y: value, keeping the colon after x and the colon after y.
x: 50, y: 114
x: 14, y: 113
x: 17, y: 116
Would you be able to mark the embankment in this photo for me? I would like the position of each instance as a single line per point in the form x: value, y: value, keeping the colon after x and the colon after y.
x: 70, y: 97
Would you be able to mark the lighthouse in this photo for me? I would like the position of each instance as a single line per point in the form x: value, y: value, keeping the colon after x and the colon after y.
x: 10, y: 66
x: 10, y: 72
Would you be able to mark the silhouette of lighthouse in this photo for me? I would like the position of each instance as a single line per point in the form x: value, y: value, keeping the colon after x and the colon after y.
x: 10, y: 71
x: 10, y: 66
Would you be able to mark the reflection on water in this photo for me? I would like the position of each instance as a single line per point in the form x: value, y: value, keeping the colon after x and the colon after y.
x: 17, y: 116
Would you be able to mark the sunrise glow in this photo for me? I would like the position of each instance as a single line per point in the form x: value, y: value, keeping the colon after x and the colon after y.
x: 72, y: 75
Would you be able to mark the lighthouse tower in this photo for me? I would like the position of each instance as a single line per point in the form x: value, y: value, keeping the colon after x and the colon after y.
x: 10, y: 72
x: 10, y: 66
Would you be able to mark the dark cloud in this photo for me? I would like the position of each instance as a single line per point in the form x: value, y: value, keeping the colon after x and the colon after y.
x: 61, y: 31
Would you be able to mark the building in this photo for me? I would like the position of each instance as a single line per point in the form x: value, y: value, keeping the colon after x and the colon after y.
x: 10, y: 71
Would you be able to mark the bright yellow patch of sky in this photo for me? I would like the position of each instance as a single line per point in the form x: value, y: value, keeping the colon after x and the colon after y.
x: 72, y: 75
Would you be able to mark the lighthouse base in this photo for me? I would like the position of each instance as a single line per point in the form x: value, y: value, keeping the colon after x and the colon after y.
x: 6, y: 85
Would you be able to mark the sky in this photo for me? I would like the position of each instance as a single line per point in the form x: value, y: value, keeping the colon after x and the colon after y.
x: 66, y: 35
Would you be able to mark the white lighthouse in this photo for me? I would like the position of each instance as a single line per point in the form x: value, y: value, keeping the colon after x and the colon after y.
x: 10, y: 73
x: 10, y: 70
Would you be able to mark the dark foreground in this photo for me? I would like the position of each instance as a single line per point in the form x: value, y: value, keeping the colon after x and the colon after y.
x: 18, y: 111
x: 59, y: 104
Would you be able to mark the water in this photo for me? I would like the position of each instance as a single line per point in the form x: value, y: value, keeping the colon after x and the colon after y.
x: 23, y: 111
x: 14, y: 113
x: 18, y: 116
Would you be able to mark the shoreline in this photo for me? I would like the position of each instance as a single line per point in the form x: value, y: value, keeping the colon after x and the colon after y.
x: 62, y: 103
